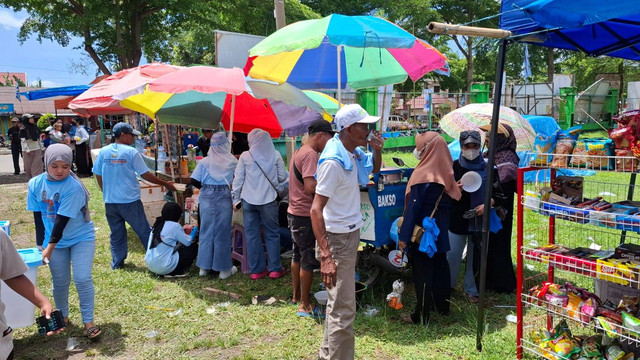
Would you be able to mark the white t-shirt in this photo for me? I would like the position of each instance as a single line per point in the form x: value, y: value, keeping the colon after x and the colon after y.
x: 342, y: 212
x: 11, y: 265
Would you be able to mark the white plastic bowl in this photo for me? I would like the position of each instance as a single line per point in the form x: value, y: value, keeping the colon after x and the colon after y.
x: 322, y: 297
x: 471, y: 181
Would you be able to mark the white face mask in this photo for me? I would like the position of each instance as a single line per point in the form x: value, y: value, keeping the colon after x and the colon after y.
x: 416, y: 154
x: 470, y: 154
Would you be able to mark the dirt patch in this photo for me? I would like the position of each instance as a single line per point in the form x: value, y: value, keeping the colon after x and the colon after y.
x: 14, y: 179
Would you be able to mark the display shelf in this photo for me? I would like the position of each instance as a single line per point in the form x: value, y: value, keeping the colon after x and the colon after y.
x: 598, y: 269
x: 536, y: 350
x: 621, y: 332
x: 604, y: 219
x: 628, y: 164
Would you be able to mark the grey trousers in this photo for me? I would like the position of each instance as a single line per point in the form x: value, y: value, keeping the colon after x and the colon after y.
x: 338, y: 342
x: 33, y: 164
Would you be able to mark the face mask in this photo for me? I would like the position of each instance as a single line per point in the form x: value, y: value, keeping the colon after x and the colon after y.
x: 470, y: 154
x: 416, y: 154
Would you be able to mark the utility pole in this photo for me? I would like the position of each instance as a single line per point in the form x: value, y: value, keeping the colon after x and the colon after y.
x: 278, y: 13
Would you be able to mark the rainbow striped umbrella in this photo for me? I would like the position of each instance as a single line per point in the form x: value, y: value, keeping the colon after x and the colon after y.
x: 328, y: 103
x: 337, y: 50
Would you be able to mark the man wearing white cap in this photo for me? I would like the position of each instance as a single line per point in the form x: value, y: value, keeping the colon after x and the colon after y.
x: 115, y: 170
x: 336, y: 221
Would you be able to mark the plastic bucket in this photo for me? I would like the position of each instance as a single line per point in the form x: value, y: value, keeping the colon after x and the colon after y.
x: 19, y: 311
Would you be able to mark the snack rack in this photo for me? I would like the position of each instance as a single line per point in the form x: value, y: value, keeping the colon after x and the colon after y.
x: 547, y: 230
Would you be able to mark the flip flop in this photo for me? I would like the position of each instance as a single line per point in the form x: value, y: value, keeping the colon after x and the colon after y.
x: 304, y: 314
x: 93, y: 332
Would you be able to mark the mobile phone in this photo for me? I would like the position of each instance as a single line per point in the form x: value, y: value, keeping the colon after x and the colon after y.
x: 55, y: 323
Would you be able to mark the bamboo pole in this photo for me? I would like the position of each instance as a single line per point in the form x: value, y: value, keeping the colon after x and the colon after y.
x: 168, y: 150
x: 452, y: 29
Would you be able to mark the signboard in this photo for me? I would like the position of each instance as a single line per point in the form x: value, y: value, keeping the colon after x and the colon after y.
x: 6, y: 110
x: 368, y: 230
x: 232, y: 49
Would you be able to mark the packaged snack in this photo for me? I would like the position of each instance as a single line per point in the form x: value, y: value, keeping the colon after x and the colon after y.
x: 628, y: 304
x: 622, y: 137
x: 591, y: 347
x: 544, y: 145
x: 600, y: 152
x: 564, y: 146
x: 614, y: 352
x: 557, y: 300
x: 628, y: 118
x: 609, y: 327
x: 589, y: 309
x: 579, y: 155
x: 625, y: 160
x: 631, y: 322
x: 574, y: 304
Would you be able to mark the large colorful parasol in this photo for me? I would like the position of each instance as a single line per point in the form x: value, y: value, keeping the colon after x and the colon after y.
x: 203, y: 96
x: 472, y: 116
x: 326, y: 53
x: 99, y: 99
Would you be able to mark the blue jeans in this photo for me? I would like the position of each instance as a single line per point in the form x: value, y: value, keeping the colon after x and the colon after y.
x: 266, y: 216
x: 216, y: 209
x: 117, y: 214
x: 80, y: 256
x: 454, y: 257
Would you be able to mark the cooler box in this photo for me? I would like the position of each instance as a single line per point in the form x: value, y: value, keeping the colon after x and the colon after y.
x: 150, y: 192
x: 19, y: 311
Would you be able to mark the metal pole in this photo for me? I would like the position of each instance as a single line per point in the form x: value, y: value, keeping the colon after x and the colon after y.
x: 487, y: 196
x: 339, y: 75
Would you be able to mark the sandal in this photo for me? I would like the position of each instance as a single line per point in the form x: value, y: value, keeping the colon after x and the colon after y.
x: 473, y: 299
x: 93, y: 332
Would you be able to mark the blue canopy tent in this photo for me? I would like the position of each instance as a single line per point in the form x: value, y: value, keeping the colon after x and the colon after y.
x: 57, y: 91
x: 594, y: 27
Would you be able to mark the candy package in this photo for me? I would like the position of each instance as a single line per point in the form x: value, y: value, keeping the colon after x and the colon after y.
x: 600, y: 152
x: 625, y: 160
x: 591, y: 347
x: 631, y: 322
x: 544, y: 145
x: 579, y: 155
x: 622, y: 137
x: 564, y: 146
x: 628, y: 118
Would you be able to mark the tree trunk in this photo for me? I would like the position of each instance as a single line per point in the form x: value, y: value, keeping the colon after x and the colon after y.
x: 469, y: 64
x: 550, y: 65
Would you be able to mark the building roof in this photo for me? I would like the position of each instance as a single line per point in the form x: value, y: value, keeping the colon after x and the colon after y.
x: 42, y: 106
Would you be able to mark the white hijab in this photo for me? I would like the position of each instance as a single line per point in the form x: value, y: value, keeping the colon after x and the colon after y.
x: 262, y: 149
x: 219, y: 162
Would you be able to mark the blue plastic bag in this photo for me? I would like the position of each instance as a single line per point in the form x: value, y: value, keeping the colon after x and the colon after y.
x: 430, y: 236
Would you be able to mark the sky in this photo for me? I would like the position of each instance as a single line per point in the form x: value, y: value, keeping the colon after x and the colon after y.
x: 47, y: 61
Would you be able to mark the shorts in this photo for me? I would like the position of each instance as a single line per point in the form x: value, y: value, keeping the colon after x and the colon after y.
x: 304, y: 242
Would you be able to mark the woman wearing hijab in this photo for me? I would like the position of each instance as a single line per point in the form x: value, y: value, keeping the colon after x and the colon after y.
x: 213, y: 176
x: 259, y: 177
x: 31, y: 146
x: 430, y: 187
x: 170, y: 252
x: 500, y: 274
x: 60, y: 198
x: 462, y: 232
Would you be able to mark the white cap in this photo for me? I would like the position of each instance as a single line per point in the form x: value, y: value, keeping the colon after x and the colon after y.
x: 351, y: 114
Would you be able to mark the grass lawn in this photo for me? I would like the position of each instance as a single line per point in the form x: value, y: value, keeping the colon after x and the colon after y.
x: 217, y: 327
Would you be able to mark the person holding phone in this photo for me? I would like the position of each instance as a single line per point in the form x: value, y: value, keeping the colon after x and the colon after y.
x: 62, y: 201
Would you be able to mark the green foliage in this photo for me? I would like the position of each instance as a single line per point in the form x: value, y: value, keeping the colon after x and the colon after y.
x: 193, y: 41
x: 344, y: 7
x: 45, y: 121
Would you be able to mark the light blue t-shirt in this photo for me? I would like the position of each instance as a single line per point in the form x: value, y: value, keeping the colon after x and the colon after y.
x: 162, y: 259
x: 118, y: 165
x: 201, y: 174
x: 66, y: 198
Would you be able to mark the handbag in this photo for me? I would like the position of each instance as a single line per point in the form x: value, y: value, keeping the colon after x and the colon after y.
x: 418, y: 230
x: 281, y: 194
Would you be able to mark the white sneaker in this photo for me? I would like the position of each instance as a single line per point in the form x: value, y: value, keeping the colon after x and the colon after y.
x: 225, y: 274
x: 204, y: 272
